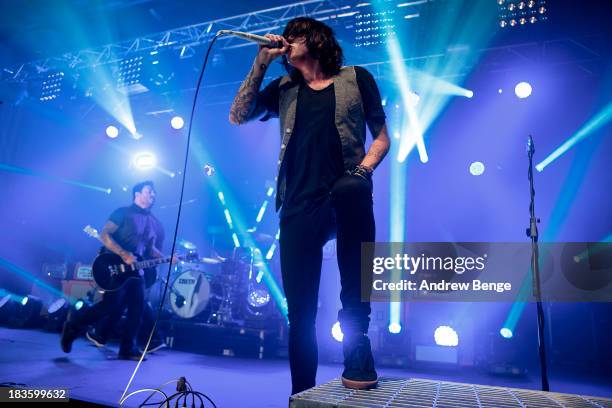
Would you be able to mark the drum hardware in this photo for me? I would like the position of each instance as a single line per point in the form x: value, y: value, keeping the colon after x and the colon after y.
x: 222, y: 291
x: 179, y: 300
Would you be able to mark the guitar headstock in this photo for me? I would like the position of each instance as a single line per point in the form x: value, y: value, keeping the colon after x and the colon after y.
x: 91, y: 231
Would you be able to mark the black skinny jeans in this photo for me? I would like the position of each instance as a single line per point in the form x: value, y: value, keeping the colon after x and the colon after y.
x: 131, y: 295
x: 104, y: 328
x: 346, y: 214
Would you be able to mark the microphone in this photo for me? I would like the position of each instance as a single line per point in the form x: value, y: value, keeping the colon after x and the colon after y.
x: 530, y: 146
x: 259, y: 39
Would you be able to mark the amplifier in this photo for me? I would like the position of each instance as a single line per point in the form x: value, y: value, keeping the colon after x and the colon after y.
x: 83, y: 272
x: 55, y: 271
x: 79, y: 289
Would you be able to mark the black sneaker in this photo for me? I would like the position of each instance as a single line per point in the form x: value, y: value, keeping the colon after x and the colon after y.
x: 130, y: 355
x: 69, y: 334
x: 359, y: 372
x: 95, y: 339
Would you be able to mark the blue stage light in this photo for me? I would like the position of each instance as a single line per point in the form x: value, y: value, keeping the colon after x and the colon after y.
x: 522, y: 90
x: 336, y: 332
x: 5, y: 300
x: 506, y: 333
x: 258, y: 298
x: 112, y: 132
x: 261, y: 212
x: 78, y: 304
x: 228, y: 218
x: 270, y: 253
x: 57, y: 305
x: 477, y: 168
x: 446, y: 336
x: 413, y: 99
x: 144, y: 161
x: 177, y: 122
x: 24, y: 301
x: 235, y: 239
x: 395, y: 328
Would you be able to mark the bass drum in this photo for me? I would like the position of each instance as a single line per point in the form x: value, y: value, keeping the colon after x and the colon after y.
x: 195, y: 296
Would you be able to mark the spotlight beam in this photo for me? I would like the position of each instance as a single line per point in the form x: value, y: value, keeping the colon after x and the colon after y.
x: 44, y: 176
x: 25, y: 274
x: 601, y: 119
x: 226, y: 197
x: 412, y: 134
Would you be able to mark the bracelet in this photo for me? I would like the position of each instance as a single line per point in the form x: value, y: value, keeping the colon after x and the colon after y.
x: 361, y: 171
x: 366, y: 169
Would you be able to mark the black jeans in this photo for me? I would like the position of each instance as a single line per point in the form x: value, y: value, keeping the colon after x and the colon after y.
x: 104, y: 328
x: 130, y: 296
x: 346, y: 214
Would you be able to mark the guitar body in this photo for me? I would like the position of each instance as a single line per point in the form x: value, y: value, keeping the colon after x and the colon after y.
x: 110, y: 272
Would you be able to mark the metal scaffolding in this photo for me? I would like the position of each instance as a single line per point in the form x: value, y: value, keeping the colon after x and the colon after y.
x: 183, y: 39
x: 582, y: 52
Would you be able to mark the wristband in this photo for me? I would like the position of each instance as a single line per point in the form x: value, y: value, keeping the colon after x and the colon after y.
x: 361, y: 171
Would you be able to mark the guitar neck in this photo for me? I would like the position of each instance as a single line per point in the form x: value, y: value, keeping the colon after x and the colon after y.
x: 150, y: 263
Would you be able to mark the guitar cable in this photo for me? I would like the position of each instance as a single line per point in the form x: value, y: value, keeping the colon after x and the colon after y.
x: 176, y: 227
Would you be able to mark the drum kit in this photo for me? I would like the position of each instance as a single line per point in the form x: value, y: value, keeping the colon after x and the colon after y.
x: 223, y: 291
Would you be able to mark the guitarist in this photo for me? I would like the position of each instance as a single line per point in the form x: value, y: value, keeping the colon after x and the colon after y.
x: 131, y: 232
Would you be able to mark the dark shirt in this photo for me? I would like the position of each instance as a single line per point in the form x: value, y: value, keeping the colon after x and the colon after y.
x: 139, y: 231
x: 314, y: 155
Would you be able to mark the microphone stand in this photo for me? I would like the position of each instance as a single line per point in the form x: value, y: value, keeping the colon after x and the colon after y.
x: 532, y: 232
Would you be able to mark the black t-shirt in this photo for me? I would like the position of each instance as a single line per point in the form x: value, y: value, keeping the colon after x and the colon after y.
x: 313, y: 160
x: 139, y: 231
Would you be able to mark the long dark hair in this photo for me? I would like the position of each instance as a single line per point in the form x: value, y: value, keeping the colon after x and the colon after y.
x: 320, y: 41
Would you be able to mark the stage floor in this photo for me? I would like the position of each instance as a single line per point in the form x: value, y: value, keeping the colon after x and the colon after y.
x: 34, y: 358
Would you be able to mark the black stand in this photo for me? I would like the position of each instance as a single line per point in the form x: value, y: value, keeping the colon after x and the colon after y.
x: 532, y: 232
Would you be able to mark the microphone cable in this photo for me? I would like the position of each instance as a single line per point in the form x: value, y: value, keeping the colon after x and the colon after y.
x: 176, y: 227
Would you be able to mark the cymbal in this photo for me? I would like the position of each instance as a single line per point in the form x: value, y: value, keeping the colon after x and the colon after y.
x: 212, y: 261
x: 258, y: 237
x: 187, y: 244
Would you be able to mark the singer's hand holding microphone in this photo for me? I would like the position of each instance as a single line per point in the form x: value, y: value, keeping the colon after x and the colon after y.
x: 270, y: 45
x: 271, y: 51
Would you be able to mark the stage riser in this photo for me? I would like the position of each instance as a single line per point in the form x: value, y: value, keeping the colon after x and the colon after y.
x: 417, y: 393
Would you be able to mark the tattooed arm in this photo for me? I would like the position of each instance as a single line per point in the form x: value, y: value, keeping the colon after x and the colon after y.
x: 244, y: 107
x: 378, y: 149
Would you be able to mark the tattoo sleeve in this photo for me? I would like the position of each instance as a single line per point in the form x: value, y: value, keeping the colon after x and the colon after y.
x: 378, y: 150
x: 245, y: 106
x: 108, y: 241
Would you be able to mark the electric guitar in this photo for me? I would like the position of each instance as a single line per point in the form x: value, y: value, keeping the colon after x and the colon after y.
x: 110, y: 272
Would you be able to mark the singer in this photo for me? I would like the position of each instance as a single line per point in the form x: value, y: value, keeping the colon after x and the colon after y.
x: 324, y: 184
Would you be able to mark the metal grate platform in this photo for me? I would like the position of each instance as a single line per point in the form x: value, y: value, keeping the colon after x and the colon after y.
x: 417, y: 393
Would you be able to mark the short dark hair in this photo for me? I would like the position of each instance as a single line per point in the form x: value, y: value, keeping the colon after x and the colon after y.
x: 138, y: 187
x: 320, y: 41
